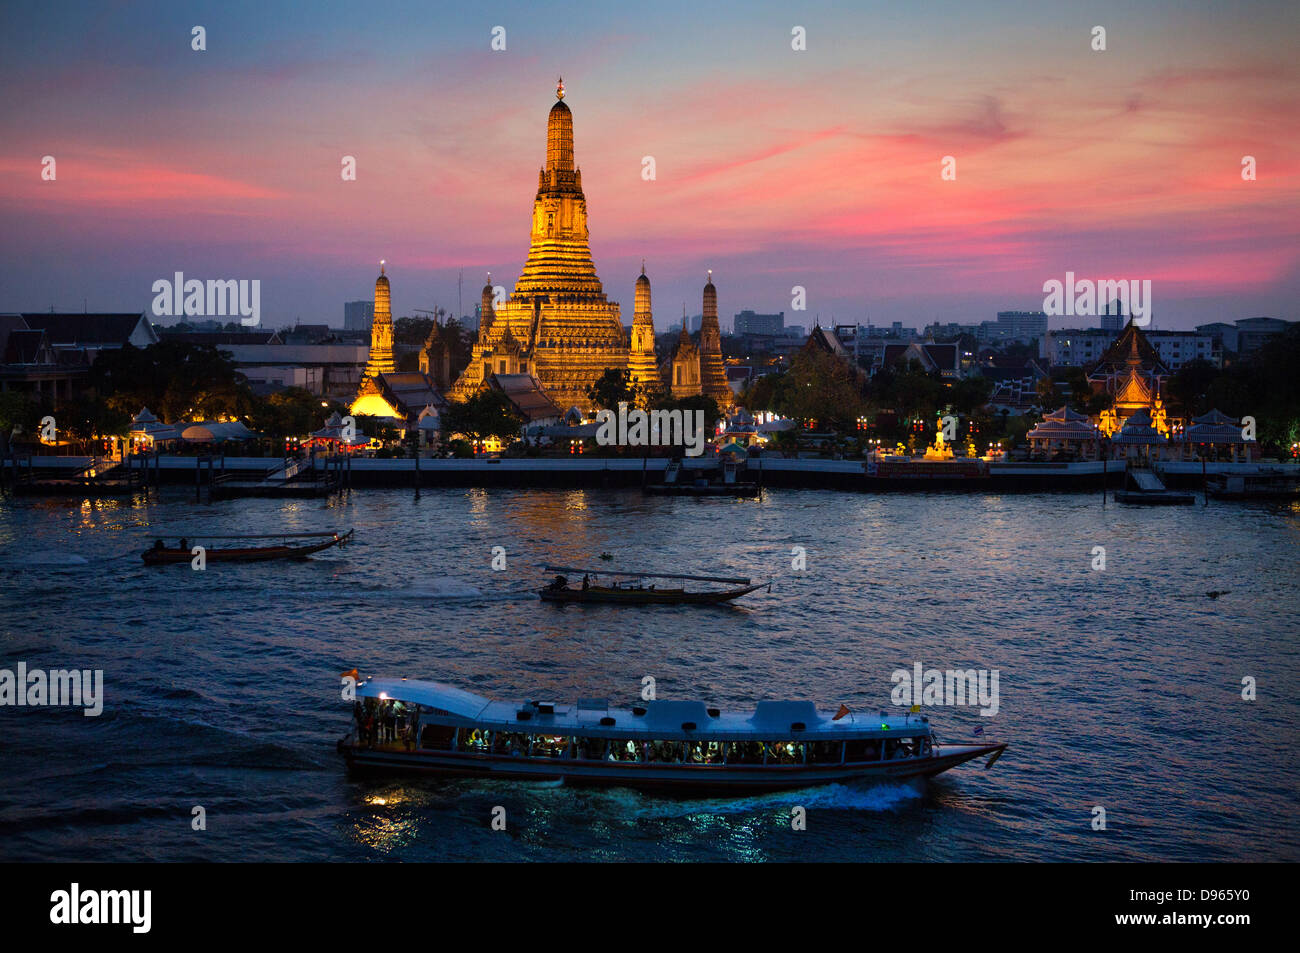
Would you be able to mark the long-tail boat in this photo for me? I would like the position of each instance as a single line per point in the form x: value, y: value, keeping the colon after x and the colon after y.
x: 635, y: 591
x: 292, y: 546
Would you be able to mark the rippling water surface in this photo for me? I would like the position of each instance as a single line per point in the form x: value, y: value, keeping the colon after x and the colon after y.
x: 1119, y: 689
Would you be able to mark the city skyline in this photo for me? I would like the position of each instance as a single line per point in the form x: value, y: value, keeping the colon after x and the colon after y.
x: 225, y: 163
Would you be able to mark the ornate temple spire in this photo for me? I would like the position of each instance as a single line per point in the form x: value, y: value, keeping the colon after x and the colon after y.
x: 381, y: 359
x: 713, y: 376
x: 559, y: 135
x: 486, y: 314
x: 559, y: 257
x: 642, y: 367
x: 567, y: 332
x: 641, y: 302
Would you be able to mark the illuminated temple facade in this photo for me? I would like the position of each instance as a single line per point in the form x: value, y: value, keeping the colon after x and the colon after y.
x: 410, y: 397
x: 696, y: 367
x: 1132, y: 372
x: 558, y: 326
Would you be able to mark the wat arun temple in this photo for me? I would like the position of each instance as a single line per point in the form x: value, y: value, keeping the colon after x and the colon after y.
x: 558, y: 328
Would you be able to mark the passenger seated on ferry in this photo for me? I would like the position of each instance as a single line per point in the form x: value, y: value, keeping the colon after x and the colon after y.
x: 745, y: 753
x: 437, y: 737
x: 624, y: 750
x: 824, y: 752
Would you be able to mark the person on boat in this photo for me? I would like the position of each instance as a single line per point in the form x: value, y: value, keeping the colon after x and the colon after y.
x: 157, y: 545
x: 559, y: 582
x: 184, y: 543
x: 586, y: 582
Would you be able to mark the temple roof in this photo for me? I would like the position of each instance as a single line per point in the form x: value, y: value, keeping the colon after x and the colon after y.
x: 1129, y: 349
x: 1214, y: 427
x: 1134, y: 390
x: 1215, y: 416
x: 524, y: 391
x: 1064, y: 414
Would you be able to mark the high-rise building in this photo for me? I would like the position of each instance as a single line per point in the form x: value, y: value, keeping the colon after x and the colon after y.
x: 749, y: 322
x: 357, y: 315
x: 1023, y: 326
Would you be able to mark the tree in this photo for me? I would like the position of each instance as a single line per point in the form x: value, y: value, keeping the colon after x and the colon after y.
x: 612, y: 388
x: 411, y: 331
x: 1190, y: 384
x: 488, y: 413
x: 1080, y: 389
x: 970, y: 393
x: 822, y: 387
x: 292, y: 412
x: 176, y: 379
x: 20, y: 417
x: 85, y: 417
x: 911, y: 390
x: 664, y: 400
x: 1046, y: 390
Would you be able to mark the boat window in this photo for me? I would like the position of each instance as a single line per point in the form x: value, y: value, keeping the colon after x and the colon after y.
x: 703, y: 752
x: 902, y: 748
x: 862, y: 749
x: 824, y: 752
x: 550, y: 746
x: 784, y: 752
x: 665, y: 751
x: 744, y: 752
x: 477, y: 740
x: 437, y: 737
x: 624, y: 749
x: 593, y: 749
x: 509, y: 742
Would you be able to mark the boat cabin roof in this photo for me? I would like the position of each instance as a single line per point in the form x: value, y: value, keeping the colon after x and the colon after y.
x: 658, y: 720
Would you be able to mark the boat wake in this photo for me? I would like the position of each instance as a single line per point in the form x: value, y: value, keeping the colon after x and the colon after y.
x: 445, y: 588
x: 873, y: 798
x: 45, y: 559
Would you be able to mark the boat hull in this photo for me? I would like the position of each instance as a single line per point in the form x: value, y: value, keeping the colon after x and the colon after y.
x: 707, y: 779
x: 712, y: 489
x: 163, y: 557
x: 1155, y: 497
x: 641, y: 597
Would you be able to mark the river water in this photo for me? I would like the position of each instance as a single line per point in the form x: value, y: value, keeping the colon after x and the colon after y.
x: 1119, y: 688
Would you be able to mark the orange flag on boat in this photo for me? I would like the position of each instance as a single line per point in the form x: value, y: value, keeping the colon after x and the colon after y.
x: 353, y: 674
x: 844, y: 710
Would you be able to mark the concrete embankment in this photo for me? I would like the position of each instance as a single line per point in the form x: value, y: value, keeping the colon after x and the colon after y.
x: 612, y: 472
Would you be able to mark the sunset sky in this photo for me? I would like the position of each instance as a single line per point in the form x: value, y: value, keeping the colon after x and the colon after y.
x: 775, y: 168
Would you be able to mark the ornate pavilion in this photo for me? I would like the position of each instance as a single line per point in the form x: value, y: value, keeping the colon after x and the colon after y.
x: 1132, y: 371
x: 1137, y: 426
